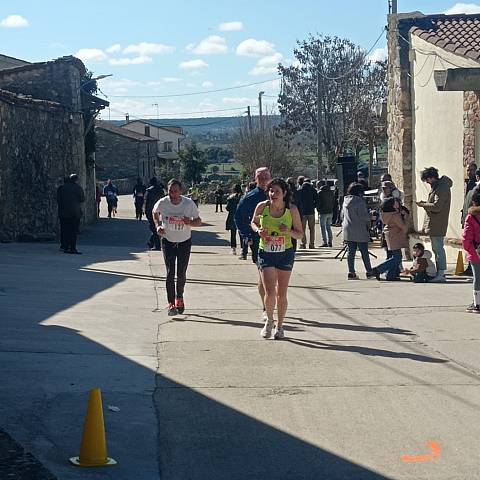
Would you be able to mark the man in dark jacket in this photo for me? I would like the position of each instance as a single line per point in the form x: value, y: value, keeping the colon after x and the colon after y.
x: 244, y: 214
x: 308, y: 202
x: 139, y: 191
x: 69, y: 197
x: 437, y: 209
x: 325, y: 203
x: 153, y: 194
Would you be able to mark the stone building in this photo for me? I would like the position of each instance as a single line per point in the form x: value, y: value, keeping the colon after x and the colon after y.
x: 123, y: 153
x: 429, y: 123
x: 42, y: 127
x: 169, y: 138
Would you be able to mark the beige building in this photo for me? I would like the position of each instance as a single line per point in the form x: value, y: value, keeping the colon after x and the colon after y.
x: 169, y: 138
x: 431, y: 123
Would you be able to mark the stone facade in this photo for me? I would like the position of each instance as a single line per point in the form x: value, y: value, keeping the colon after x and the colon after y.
x: 471, y: 117
x: 123, y: 154
x: 42, y: 131
x: 42, y: 143
x: 399, y: 105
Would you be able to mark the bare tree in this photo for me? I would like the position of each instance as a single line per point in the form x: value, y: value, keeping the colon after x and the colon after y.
x: 258, y: 145
x: 349, y: 87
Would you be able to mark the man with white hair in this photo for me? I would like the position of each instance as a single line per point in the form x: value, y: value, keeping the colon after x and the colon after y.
x: 244, y: 215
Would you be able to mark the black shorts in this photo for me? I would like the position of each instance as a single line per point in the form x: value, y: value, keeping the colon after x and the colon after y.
x: 279, y: 260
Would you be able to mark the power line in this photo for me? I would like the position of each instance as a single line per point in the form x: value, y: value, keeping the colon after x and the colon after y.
x: 196, y: 93
x: 346, y: 74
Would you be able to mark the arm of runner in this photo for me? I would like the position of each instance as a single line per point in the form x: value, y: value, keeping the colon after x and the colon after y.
x: 255, y: 223
x: 158, y: 223
x: 297, y: 229
x: 193, y: 222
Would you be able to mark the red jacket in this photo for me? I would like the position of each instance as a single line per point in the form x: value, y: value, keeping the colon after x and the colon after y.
x: 471, y: 234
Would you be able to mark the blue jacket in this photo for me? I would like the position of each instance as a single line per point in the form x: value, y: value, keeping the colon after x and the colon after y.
x: 245, y: 210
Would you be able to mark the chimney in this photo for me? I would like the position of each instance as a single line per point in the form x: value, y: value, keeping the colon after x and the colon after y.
x: 127, y: 117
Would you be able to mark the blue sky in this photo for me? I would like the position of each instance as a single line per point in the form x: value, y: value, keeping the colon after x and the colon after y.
x: 162, y: 48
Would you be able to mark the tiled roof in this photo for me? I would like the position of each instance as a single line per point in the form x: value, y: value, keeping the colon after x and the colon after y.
x: 459, y: 34
x: 109, y: 127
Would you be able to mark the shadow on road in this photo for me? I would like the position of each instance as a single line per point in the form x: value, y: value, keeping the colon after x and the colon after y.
x: 47, y: 371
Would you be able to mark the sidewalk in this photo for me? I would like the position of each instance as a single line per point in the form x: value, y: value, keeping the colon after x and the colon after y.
x: 370, y: 371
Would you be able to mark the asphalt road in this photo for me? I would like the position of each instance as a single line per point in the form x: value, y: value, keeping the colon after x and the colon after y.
x: 375, y: 380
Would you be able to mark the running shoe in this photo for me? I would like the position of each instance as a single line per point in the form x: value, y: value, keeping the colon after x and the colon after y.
x: 179, y: 305
x: 473, y: 308
x: 278, y: 333
x: 352, y: 276
x: 172, y: 310
x: 267, y: 329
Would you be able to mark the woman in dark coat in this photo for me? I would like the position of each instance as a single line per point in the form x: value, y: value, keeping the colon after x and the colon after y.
x: 231, y: 207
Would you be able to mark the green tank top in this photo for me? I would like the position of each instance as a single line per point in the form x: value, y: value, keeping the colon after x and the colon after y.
x: 276, y: 241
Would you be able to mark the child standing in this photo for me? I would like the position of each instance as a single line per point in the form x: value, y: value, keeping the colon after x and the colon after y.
x: 423, y: 268
x: 471, y: 243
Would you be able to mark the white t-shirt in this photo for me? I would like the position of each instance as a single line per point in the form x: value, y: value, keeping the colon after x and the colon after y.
x: 172, y: 218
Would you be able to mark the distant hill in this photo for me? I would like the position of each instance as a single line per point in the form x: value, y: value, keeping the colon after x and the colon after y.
x: 204, y: 130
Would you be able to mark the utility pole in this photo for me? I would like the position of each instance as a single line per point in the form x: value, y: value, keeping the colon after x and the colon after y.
x: 158, y: 130
x: 393, y: 6
x: 249, y: 119
x: 260, y: 94
x: 319, y: 127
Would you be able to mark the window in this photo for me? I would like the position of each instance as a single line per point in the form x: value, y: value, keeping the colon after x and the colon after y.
x: 168, y: 146
x: 147, y: 130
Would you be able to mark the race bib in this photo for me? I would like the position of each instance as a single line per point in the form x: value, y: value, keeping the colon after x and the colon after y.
x: 274, y: 244
x: 175, y: 223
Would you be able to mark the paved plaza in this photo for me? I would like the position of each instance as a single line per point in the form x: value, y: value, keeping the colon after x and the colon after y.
x: 375, y: 380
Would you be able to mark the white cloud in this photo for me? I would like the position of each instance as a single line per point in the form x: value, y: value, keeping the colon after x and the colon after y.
x: 114, y: 48
x: 231, y: 27
x: 91, y: 55
x: 212, y: 45
x: 144, y: 49
x: 267, y: 65
x: 379, y: 54
x: 255, y: 48
x: 238, y: 101
x: 171, y: 79
x: 193, y: 65
x: 207, y: 84
x: 140, y: 60
x: 463, y: 8
x: 14, y: 21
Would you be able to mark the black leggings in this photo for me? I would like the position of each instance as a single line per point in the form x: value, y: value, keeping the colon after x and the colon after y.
x: 179, y: 254
x: 233, y: 238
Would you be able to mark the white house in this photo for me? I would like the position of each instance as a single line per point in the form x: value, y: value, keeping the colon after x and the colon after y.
x: 169, y: 138
x: 432, y: 122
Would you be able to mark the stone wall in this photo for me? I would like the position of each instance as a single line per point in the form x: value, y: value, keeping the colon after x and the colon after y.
x: 117, y: 156
x: 399, y: 105
x: 58, y: 81
x: 42, y: 142
x: 471, y: 116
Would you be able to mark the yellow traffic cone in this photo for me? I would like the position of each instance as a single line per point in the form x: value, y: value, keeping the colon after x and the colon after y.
x: 93, y: 451
x: 460, y: 268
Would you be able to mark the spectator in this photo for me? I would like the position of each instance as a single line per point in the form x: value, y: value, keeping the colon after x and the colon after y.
x: 70, y: 196
x: 98, y: 199
x: 153, y: 194
x: 423, y: 269
x: 395, y: 229
x: 218, y: 199
x: 355, y: 227
x: 308, y: 202
x: 231, y: 207
x: 470, y: 181
x: 362, y: 180
x: 437, y: 209
x: 325, y: 204
x: 388, y: 189
x: 471, y: 243
x: 467, y: 203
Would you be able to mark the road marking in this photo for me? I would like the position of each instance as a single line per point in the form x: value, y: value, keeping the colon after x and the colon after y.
x: 429, y: 457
